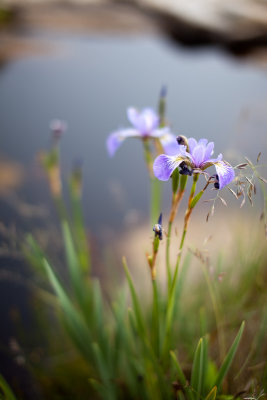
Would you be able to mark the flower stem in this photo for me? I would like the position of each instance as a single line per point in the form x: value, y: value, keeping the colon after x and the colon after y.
x: 176, y: 199
x: 186, y: 220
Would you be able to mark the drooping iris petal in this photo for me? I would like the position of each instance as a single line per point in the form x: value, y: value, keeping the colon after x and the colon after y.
x: 198, y: 155
x: 165, y: 165
x: 225, y: 173
x: 115, y: 139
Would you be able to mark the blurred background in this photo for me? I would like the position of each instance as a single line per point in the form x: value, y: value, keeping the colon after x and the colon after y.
x: 85, y: 62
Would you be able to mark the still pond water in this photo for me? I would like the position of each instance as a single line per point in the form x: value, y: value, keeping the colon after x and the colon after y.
x: 90, y: 81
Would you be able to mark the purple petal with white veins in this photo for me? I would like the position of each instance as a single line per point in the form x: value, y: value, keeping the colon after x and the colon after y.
x: 165, y: 165
x: 208, y: 151
x: 115, y: 139
x: 192, y: 144
x: 198, y: 155
x: 225, y: 173
x: 203, y: 142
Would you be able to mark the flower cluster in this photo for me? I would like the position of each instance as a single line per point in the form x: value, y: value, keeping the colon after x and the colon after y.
x: 193, y: 157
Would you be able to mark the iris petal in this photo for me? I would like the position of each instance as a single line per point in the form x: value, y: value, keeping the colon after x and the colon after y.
x: 133, y: 116
x: 225, y: 173
x: 115, y: 139
x: 208, y: 151
x: 145, y: 121
x: 165, y: 165
x: 150, y: 118
x: 198, y: 155
x: 192, y: 144
x: 169, y: 144
x: 203, y: 142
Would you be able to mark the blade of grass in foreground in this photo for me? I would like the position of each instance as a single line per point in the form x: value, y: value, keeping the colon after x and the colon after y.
x: 136, y: 305
x: 180, y: 375
x: 229, y: 358
x: 7, y: 392
x: 197, y: 376
x: 212, y: 394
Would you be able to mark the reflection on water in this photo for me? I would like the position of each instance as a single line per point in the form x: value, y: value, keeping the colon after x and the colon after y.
x: 91, y: 82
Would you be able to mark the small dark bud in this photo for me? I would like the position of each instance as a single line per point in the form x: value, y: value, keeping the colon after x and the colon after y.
x: 158, y: 228
x: 158, y: 231
x: 184, y: 170
x: 216, y: 183
x: 182, y: 140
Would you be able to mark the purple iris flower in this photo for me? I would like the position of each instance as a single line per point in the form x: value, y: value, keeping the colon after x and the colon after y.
x: 145, y: 125
x: 196, y: 155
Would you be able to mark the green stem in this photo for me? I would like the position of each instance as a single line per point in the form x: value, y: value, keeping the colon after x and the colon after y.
x: 176, y: 199
x: 186, y: 220
x: 155, y: 319
x: 155, y: 185
x: 168, y: 264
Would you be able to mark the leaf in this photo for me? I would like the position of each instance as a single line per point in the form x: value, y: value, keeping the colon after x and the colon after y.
x: 197, y: 375
x: 5, y: 388
x: 212, y: 394
x: 181, y: 377
x: 229, y: 358
x: 196, y: 199
x: 258, y: 158
x: 73, y: 262
x: 180, y: 374
x: 136, y: 305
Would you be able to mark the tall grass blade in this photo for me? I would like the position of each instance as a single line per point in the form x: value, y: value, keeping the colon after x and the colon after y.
x: 229, y: 358
x: 181, y: 377
x: 212, y: 394
x: 73, y: 262
x: 197, y: 375
x: 110, y: 392
x: 7, y: 392
x: 136, y: 305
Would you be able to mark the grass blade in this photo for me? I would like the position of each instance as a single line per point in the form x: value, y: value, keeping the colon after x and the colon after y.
x: 136, y: 305
x: 212, y: 394
x: 181, y: 377
x: 229, y: 358
x: 5, y: 388
x: 197, y: 375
